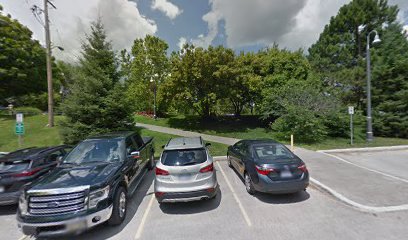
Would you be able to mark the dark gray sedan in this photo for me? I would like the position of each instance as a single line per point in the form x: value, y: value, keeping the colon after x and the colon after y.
x: 268, y: 166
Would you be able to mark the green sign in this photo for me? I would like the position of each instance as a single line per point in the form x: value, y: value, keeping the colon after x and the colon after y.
x: 20, y: 128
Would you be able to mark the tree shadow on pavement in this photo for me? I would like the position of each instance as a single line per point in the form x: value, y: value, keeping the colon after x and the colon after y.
x: 8, y: 210
x: 192, y: 207
x: 283, y: 198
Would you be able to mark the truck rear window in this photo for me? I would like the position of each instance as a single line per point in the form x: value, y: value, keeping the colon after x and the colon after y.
x: 183, y: 157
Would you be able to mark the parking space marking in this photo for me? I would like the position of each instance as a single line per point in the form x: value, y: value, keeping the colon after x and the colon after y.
x: 146, y: 213
x: 24, y: 237
x: 366, y: 168
x: 241, y: 207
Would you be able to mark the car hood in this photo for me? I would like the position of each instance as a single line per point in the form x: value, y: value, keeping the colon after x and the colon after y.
x: 94, y: 175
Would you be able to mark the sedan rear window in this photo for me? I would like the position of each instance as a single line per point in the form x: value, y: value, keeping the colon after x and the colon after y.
x: 14, y: 166
x: 272, y: 151
x: 184, y: 157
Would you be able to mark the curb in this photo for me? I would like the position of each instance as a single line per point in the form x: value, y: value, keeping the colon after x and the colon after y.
x: 367, y: 149
x: 356, y: 205
x: 342, y: 198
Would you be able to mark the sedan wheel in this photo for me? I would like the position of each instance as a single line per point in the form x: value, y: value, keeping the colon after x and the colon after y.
x: 248, y: 184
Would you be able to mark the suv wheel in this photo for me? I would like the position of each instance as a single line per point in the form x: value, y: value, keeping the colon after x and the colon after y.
x: 151, y: 162
x: 248, y: 184
x: 119, y: 207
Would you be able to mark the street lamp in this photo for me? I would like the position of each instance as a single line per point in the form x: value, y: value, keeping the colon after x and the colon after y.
x: 155, y: 93
x: 369, y: 119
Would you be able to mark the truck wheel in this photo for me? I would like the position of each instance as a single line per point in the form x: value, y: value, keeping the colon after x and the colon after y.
x: 151, y: 162
x: 119, y: 207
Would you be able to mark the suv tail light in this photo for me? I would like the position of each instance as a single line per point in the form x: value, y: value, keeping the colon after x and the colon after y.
x: 27, y: 173
x: 208, y: 168
x: 160, y: 171
x: 264, y: 170
x: 303, y: 168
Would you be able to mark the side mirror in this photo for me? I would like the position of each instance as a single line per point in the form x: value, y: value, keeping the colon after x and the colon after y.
x: 134, y: 155
x: 59, y: 158
x: 208, y: 144
x: 163, y: 146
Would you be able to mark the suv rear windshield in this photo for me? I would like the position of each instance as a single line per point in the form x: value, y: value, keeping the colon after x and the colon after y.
x: 184, y: 157
x: 272, y: 152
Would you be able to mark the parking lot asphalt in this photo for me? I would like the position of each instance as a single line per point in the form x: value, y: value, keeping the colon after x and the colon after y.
x: 234, y: 214
x: 361, y: 184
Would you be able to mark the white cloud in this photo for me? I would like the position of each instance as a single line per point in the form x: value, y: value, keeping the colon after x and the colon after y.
x: 251, y: 22
x: 181, y: 42
x: 70, y: 21
x: 168, y: 8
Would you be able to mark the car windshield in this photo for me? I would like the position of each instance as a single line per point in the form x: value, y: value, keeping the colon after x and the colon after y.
x: 272, y: 152
x: 184, y: 157
x: 97, y: 150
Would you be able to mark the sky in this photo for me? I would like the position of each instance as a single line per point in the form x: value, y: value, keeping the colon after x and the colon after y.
x: 244, y: 25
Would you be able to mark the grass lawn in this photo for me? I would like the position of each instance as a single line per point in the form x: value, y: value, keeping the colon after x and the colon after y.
x: 37, y: 134
x: 251, y: 127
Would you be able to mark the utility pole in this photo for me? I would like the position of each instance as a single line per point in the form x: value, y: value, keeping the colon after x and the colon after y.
x: 49, y: 67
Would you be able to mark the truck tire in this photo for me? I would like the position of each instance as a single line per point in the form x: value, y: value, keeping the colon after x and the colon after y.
x: 119, y: 207
x: 151, y: 162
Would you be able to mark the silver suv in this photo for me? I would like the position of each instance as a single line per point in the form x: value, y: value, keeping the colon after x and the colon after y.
x: 185, y: 172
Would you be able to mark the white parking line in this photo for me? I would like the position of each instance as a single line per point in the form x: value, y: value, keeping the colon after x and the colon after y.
x: 142, y: 223
x: 241, y: 207
x: 366, y: 168
x: 24, y: 237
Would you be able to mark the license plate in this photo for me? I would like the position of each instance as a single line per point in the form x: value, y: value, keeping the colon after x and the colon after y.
x: 1, y: 189
x: 286, y: 174
x: 184, y: 177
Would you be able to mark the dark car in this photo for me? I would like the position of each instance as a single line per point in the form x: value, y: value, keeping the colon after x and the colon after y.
x: 268, y: 166
x: 24, y: 166
x: 90, y: 186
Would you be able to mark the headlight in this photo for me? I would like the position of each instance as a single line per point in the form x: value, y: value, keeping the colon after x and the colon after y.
x: 96, y: 196
x: 22, y: 204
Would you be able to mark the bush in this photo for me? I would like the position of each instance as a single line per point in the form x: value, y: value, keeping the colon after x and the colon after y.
x: 303, y: 124
x: 27, y: 110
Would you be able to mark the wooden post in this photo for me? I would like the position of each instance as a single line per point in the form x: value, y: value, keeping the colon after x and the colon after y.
x: 292, y: 148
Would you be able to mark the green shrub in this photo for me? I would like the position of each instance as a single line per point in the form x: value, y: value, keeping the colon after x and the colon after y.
x: 28, y: 110
x: 303, y: 124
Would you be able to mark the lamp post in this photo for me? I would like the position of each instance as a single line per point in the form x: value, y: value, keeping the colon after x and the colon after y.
x: 155, y: 93
x: 369, y: 119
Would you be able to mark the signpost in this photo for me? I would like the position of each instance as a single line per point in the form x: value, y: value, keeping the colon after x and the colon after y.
x: 19, y: 128
x: 351, y: 113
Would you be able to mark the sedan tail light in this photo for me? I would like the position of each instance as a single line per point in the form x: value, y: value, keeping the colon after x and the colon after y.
x: 160, y: 171
x: 208, y: 168
x: 303, y: 168
x: 27, y: 173
x: 264, y: 170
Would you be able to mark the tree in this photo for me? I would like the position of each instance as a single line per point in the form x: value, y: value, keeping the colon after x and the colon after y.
x: 242, y: 81
x: 95, y: 102
x: 22, y: 60
x: 278, y: 69
x: 338, y: 54
x: 194, y: 83
x: 390, y: 84
x: 147, y: 66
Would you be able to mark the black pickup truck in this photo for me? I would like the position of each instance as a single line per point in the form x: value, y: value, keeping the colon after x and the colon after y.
x: 89, y: 187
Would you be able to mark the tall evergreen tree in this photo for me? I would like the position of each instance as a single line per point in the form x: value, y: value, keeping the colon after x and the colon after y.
x: 338, y: 54
x: 95, y: 103
x: 390, y: 84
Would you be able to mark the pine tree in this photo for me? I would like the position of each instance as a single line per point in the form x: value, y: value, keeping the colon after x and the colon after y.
x: 95, y: 103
